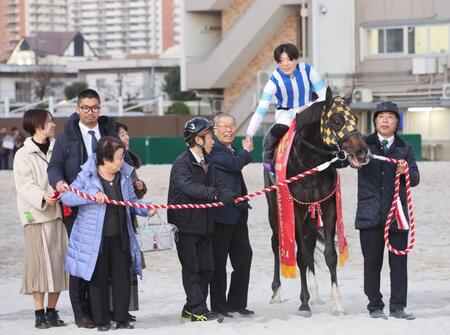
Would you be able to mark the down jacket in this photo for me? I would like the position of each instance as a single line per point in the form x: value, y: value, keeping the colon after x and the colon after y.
x: 86, y: 236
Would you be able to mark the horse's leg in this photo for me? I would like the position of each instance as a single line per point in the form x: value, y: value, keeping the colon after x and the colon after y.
x: 273, y: 220
x: 304, y: 257
x: 329, y: 216
x: 310, y: 241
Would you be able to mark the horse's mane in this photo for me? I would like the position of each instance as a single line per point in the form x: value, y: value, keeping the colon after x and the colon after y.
x: 309, y: 116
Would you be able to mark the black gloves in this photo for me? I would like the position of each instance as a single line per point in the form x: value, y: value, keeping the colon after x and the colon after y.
x: 228, y: 200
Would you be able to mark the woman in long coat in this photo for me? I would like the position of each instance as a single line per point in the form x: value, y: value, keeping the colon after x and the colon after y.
x: 103, y: 243
x: 45, y: 234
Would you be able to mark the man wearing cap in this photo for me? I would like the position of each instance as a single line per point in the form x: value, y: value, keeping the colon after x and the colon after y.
x: 375, y: 193
x: 193, y: 181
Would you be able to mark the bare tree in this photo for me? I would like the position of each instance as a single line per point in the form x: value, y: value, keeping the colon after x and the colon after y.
x: 41, y: 81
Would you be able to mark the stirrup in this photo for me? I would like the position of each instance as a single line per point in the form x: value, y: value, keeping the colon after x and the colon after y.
x: 270, y: 168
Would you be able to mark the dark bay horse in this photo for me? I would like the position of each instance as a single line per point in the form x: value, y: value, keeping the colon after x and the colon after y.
x: 323, y: 129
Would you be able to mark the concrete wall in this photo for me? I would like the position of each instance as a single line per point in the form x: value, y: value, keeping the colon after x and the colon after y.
x: 332, y: 42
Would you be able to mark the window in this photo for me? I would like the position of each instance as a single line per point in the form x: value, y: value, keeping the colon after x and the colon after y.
x: 439, y: 39
x: 23, y: 91
x: 100, y: 83
x: 412, y: 40
x: 384, y: 41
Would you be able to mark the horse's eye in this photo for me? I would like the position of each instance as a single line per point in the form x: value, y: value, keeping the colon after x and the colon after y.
x: 337, y: 121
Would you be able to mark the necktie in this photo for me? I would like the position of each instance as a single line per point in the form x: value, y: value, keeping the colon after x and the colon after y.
x: 384, y: 146
x: 203, y: 164
x: 93, y: 140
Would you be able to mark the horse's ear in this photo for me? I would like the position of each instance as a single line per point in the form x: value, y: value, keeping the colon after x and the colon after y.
x: 348, y: 96
x: 328, y: 98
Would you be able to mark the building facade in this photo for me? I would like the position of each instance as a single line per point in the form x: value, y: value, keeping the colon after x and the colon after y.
x: 385, y: 49
x: 119, y: 27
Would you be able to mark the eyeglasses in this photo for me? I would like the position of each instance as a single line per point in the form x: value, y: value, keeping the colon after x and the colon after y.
x: 87, y: 109
x: 226, y: 127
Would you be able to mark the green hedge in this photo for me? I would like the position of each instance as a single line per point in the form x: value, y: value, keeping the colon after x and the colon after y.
x: 164, y: 150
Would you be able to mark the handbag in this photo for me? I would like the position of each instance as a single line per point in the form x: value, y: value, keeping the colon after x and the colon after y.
x: 156, y: 236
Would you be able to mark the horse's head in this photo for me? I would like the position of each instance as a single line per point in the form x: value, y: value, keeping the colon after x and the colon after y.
x: 338, y: 128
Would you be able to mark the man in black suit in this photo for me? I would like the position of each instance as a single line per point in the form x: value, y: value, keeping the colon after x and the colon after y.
x: 230, y: 232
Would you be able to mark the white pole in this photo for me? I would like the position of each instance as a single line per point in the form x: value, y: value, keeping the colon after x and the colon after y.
x: 6, y: 99
x: 51, y: 104
x: 120, y: 106
x: 160, y: 105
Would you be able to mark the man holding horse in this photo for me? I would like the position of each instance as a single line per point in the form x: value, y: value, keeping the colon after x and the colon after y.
x: 375, y: 194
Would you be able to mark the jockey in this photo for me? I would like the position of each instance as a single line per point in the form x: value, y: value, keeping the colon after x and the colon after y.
x: 292, y: 83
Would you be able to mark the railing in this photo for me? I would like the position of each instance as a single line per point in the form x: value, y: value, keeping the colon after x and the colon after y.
x: 117, y: 106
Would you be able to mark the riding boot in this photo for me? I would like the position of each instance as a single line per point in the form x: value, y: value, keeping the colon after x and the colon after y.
x: 271, y: 140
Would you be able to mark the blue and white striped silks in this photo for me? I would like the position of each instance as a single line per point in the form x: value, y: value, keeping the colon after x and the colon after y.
x: 290, y: 92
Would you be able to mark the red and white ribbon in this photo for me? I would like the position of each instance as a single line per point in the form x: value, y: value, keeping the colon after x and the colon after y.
x: 208, y: 205
x: 397, y: 210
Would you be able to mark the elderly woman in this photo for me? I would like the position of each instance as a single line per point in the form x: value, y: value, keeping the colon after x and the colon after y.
x: 45, y: 234
x: 103, y: 243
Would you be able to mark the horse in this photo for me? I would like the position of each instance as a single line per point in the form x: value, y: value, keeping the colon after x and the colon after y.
x: 322, y: 132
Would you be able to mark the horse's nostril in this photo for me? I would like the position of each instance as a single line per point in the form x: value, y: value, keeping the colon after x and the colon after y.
x: 361, y: 153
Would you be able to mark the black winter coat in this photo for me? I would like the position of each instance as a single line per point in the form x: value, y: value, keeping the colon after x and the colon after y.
x: 189, y: 184
x: 229, y: 170
x: 376, y: 183
x: 69, y: 152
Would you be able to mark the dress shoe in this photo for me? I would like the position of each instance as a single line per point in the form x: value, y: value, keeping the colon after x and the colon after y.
x: 242, y: 311
x: 224, y: 313
x: 104, y: 327
x: 131, y: 318
x: 85, y: 322
x: 401, y: 314
x: 124, y: 325
x: 41, y: 322
x: 378, y: 314
x: 54, y: 320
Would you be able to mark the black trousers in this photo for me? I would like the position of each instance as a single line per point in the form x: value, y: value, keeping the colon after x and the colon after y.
x: 78, y: 287
x: 196, y: 258
x: 113, y: 262
x: 232, y: 240
x: 372, y: 245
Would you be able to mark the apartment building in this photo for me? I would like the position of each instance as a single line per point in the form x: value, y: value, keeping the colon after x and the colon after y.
x: 119, y: 27
x: 20, y: 18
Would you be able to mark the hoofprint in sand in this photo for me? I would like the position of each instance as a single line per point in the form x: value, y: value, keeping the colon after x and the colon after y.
x: 162, y: 295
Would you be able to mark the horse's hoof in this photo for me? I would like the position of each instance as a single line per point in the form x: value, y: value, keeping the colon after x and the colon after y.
x: 305, y: 314
x: 338, y: 313
x: 275, y: 299
x: 316, y: 301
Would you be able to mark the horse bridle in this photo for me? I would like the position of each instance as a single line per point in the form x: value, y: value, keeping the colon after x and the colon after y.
x: 332, y: 136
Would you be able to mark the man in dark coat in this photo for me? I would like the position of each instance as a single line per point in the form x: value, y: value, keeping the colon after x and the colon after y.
x: 231, y: 231
x: 375, y: 193
x: 81, y: 132
x: 193, y: 180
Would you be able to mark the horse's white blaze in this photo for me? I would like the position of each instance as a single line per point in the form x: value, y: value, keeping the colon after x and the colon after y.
x: 336, y: 297
x: 313, y: 289
x: 276, y: 298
